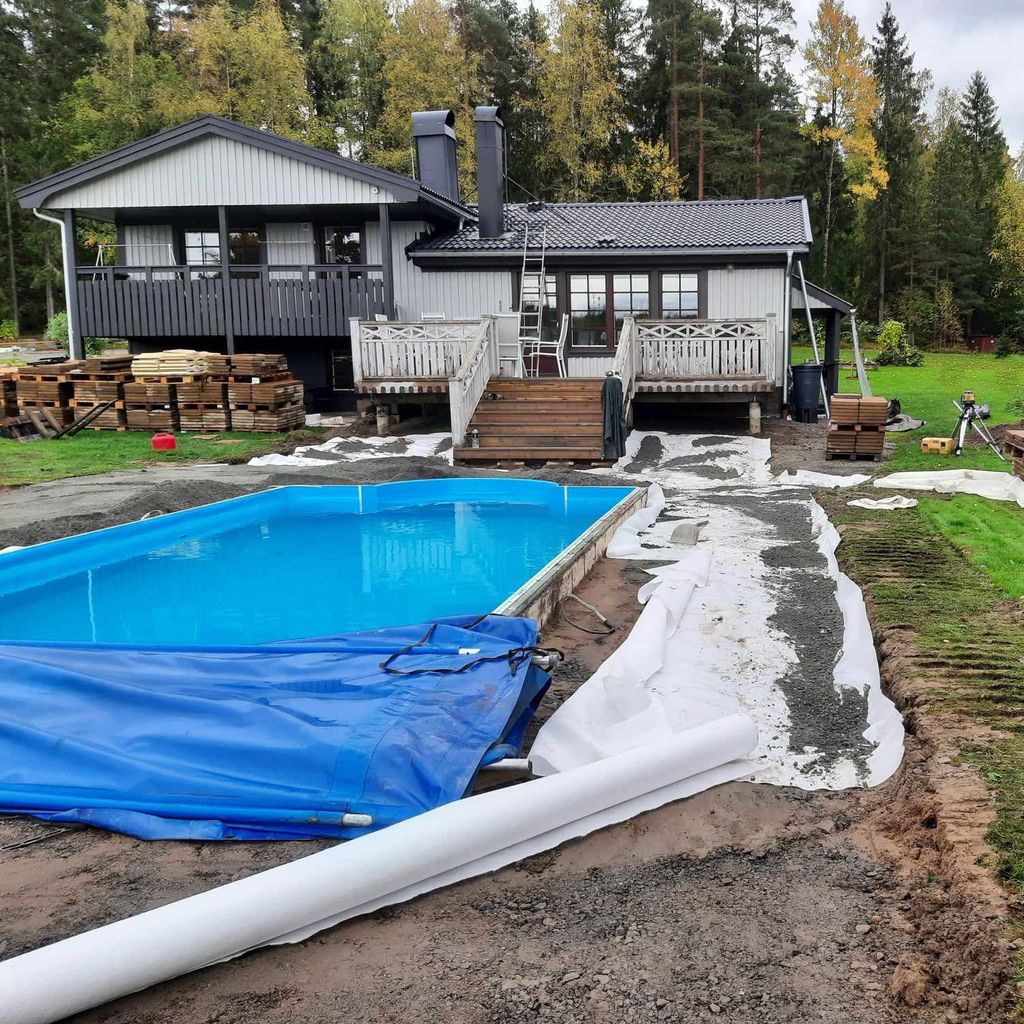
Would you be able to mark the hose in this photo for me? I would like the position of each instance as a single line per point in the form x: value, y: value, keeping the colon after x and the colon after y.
x: 610, y: 628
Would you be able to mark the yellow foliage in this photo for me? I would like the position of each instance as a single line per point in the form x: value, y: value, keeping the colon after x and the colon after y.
x: 1008, y: 248
x: 651, y: 173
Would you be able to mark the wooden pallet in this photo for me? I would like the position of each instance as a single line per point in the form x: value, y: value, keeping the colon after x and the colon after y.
x: 849, y: 410
x: 93, y: 389
x: 153, y: 417
x: 854, y: 456
x: 112, y: 415
x: 268, y: 421
x: 148, y: 393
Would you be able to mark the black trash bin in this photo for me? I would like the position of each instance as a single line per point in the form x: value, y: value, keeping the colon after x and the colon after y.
x: 804, y: 398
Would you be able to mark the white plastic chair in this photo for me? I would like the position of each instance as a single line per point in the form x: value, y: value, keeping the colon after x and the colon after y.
x: 534, y: 349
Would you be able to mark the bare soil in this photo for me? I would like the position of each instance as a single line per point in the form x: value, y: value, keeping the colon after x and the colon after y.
x: 749, y: 904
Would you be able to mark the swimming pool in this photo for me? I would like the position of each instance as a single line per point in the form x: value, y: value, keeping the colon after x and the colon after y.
x: 298, y: 562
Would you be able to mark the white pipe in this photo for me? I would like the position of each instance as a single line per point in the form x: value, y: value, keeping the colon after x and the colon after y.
x: 508, y: 764
x: 291, y: 902
x: 69, y: 281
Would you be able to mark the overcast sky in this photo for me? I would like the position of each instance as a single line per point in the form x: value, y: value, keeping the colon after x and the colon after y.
x: 954, y: 38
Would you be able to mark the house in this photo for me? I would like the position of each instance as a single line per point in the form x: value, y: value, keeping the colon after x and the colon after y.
x: 380, y: 285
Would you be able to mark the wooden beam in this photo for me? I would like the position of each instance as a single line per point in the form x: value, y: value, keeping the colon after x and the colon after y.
x: 225, y: 278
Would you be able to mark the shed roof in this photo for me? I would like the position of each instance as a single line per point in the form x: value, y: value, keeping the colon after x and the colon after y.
x: 722, y: 225
x: 38, y: 193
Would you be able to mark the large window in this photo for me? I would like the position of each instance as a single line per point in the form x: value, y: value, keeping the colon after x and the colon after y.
x: 588, y: 308
x: 202, y: 248
x: 244, y: 247
x: 531, y: 298
x: 631, y: 296
x: 342, y: 245
x: 679, y: 296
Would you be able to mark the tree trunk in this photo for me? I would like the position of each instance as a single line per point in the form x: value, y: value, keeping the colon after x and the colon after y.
x: 11, y: 267
x: 673, y: 99
x: 882, y: 253
x: 700, y: 121
x: 827, y: 233
x: 757, y: 159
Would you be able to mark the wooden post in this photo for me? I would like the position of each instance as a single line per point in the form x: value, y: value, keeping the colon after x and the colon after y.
x: 755, y: 417
x: 225, y: 278
x: 386, y: 259
x: 76, y: 343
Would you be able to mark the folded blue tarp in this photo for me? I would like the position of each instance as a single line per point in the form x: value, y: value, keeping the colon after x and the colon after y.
x: 271, y: 742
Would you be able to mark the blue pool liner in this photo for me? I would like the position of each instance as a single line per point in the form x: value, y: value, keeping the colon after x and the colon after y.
x: 262, y: 742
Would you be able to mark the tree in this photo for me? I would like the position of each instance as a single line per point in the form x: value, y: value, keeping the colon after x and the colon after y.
x: 579, y: 94
x: 426, y: 68
x: 651, y: 174
x: 1008, y: 241
x: 845, y: 95
x: 897, y: 129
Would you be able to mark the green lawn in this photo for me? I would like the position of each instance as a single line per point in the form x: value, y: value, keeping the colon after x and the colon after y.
x: 100, y: 451
x: 927, y: 393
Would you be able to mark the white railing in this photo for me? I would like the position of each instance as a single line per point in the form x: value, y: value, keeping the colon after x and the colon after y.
x: 393, y: 350
x: 468, y: 384
x: 627, y: 359
x: 669, y: 349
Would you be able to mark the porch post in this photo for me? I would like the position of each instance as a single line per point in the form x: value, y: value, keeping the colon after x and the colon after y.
x: 386, y: 259
x: 225, y: 278
x: 76, y: 343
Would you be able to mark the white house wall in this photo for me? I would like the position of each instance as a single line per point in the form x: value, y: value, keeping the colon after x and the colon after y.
x: 214, y: 171
x: 750, y: 292
x: 456, y: 293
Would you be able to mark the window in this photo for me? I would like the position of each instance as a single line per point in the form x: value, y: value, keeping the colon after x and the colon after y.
x: 244, y: 247
x: 679, y: 296
x: 588, y: 306
x: 342, y: 245
x: 631, y: 295
x: 202, y: 248
x: 549, y: 312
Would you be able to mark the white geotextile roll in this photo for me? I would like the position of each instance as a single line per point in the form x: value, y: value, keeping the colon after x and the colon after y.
x: 293, y: 901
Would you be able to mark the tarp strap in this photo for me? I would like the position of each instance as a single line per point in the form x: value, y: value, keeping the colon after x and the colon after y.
x: 515, y: 656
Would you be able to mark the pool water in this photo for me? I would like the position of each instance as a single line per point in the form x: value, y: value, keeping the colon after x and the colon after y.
x: 297, y: 562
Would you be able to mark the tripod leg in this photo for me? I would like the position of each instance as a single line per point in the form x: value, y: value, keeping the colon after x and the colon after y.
x: 961, y: 434
x: 986, y: 435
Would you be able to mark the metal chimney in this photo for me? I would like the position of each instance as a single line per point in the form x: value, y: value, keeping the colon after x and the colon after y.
x: 436, y: 158
x: 490, y: 170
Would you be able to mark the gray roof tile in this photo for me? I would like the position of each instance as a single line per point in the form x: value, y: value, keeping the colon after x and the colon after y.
x: 716, y: 224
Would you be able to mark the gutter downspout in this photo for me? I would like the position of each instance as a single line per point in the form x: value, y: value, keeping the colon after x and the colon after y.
x: 787, y: 317
x: 69, y: 283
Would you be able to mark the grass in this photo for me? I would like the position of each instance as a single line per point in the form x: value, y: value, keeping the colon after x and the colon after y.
x: 927, y: 393
x: 100, y: 451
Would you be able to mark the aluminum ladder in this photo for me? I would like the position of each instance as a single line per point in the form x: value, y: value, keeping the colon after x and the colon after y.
x: 531, y: 293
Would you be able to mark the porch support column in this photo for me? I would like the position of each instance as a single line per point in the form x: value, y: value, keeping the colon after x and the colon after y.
x: 833, y: 326
x: 388, y: 273
x: 225, y: 278
x: 76, y: 343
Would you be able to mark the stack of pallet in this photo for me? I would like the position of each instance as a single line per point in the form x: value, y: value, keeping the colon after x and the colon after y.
x: 150, y: 405
x: 1013, y: 449
x: 101, y: 380
x: 270, y: 406
x: 176, y: 364
x: 856, y: 427
x: 258, y: 366
x: 47, y: 386
x: 8, y: 393
x: 203, y: 404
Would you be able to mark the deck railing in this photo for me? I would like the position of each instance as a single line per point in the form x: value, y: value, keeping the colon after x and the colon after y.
x: 627, y: 362
x: 310, y: 300
x: 392, y: 350
x: 670, y: 349
x: 467, y: 386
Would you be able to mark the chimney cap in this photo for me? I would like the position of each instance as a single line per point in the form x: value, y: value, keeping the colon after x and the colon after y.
x: 433, y: 122
x: 488, y: 114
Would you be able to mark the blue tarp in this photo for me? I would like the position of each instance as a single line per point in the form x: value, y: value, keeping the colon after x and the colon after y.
x: 270, y: 742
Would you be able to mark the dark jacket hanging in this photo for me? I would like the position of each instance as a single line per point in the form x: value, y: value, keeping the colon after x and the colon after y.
x: 614, y: 421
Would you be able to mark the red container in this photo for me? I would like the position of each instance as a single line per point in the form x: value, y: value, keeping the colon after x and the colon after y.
x: 164, y: 443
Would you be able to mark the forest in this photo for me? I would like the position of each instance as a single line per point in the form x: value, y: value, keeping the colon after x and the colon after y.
x: 916, y: 202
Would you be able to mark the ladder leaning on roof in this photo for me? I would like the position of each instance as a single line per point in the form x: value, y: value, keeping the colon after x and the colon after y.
x: 531, y: 296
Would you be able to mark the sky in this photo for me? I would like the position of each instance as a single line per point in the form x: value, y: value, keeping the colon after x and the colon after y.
x: 953, y: 39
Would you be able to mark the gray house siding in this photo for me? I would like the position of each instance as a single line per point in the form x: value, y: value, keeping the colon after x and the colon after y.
x: 752, y: 292
x: 216, y: 171
x: 456, y: 293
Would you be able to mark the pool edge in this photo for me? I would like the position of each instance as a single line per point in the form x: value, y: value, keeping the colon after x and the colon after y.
x: 538, y: 597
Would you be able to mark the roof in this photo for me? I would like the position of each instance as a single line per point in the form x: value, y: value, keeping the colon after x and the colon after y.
x: 819, y: 298
x: 405, y: 189
x: 714, y: 225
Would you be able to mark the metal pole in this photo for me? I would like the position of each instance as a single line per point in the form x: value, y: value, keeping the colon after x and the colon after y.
x: 862, y: 377
x: 814, y: 339
x: 76, y: 345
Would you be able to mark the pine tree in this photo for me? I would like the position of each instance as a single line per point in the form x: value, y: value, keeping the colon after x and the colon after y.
x: 897, y: 129
x: 527, y: 126
x: 846, y: 98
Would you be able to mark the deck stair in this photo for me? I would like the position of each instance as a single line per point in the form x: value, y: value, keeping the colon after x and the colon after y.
x: 536, y: 419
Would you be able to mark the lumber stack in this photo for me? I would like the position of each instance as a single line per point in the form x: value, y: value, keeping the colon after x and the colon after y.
x: 179, y: 364
x: 203, y: 405
x: 1013, y: 449
x: 100, y: 380
x: 271, y: 406
x: 255, y: 367
x: 8, y: 393
x: 47, y: 386
x: 150, y: 405
x: 856, y: 427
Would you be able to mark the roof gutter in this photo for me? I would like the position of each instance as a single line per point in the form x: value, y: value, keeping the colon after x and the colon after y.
x: 69, y: 279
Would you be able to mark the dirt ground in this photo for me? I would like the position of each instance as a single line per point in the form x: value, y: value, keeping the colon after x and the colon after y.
x: 749, y: 904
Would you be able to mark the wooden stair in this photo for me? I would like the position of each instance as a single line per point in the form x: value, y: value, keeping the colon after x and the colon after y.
x: 537, y: 419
